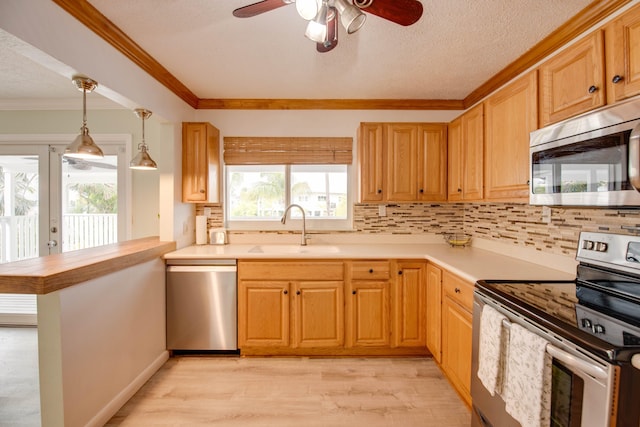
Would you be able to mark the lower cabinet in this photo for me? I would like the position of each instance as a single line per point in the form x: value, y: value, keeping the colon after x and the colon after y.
x: 352, y: 307
x: 290, y: 311
x: 434, y: 311
x: 457, y: 306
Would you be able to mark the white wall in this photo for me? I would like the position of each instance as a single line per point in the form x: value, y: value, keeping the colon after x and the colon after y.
x: 99, y: 341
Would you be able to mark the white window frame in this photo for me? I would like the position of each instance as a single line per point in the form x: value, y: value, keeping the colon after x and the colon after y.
x: 292, y: 224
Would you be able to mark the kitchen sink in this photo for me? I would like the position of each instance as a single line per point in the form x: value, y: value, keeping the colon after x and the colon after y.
x: 294, y: 249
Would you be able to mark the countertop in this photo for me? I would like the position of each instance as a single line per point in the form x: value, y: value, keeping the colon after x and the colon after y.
x: 53, y: 272
x: 469, y: 263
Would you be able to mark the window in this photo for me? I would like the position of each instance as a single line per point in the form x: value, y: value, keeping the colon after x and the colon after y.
x: 264, y: 175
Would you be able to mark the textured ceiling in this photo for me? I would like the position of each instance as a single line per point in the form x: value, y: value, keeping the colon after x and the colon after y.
x: 455, y: 47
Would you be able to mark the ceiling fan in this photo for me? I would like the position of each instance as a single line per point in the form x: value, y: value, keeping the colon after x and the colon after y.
x: 323, y: 15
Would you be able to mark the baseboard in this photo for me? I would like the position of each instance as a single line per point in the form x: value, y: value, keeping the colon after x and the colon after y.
x: 102, y: 417
x: 18, y: 319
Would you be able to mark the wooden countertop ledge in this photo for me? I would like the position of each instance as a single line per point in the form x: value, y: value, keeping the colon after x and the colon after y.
x: 54, y: 272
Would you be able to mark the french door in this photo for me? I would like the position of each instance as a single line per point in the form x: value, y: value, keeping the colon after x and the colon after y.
x: 51, y: 204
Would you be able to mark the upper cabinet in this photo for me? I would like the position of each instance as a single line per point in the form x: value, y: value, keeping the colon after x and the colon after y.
x: 572, y: 82
x: 402, y: 162
x: 623, y: 56
x: 200, y: 163
x: 466, y: 142
x: 511, y: 115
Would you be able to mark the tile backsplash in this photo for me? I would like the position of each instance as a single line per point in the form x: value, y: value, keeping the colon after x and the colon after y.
x: 520, y: 224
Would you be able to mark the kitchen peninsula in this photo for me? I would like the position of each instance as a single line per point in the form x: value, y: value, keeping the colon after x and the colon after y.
x: 100, y: 321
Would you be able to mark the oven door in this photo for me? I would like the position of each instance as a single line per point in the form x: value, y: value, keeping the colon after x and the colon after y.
x: 582, y: 387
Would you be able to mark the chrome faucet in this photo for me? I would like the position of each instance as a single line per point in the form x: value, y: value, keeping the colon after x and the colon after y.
x: 304, y: 220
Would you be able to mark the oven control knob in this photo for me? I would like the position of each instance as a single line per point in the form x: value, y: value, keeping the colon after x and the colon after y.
x: 588, y: 244
x: 586, y: 323
x: 635, y: 361
x: 601, y: 247
x: 598, y: 329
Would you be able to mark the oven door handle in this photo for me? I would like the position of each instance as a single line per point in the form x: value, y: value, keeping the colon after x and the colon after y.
x: 570, y: 360
x: 575, y: 363
x: 634, y: 158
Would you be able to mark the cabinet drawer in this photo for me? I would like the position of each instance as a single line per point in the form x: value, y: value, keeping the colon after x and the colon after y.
x: 290, y: 270
x: 370, y: 270
x: 458, y: 290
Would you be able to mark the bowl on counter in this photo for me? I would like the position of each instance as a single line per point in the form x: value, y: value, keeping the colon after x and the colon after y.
x: 458, y: 239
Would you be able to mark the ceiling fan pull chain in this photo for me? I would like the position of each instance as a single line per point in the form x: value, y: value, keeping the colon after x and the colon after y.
x: 363, y: 4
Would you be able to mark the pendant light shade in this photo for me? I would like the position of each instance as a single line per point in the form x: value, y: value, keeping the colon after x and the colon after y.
x: 351, y: 17
x: 317, y: 27
x: 143, y: 161
x: 83, y: 146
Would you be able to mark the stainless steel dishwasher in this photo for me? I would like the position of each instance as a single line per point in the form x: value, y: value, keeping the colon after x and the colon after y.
x: 202, y: 305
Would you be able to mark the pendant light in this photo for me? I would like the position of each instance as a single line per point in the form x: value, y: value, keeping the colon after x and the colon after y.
x: 143, y: 161
x: 83, y: 146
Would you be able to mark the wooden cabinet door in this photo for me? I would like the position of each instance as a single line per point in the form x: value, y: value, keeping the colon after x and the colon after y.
x: 623, y: 56
x: 200, y: 163
x: 318, y: 314
x: 368, y: 314
x: 434, y: 311
x: 371, y: 162
x: 572, y: 82
x: 402, y: 161
x: 511, y: 115
x: 263, y: 313
x: 432, y: 162
x: 456, y: 346
x: 473, y: 153
x: 455, y: 160
x: 409, y: 305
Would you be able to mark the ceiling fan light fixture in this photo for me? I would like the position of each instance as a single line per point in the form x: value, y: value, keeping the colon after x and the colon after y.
x: 142, y: 160
x: 351, y: 17
x: 317, y: 28
x: 83, y: 146
x: 308, y: 9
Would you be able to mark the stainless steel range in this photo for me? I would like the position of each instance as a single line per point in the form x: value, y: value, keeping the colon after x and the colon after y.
x: 592, y: 329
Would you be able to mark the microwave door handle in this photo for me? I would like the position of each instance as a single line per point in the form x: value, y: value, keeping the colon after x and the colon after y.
x: 634, y: 158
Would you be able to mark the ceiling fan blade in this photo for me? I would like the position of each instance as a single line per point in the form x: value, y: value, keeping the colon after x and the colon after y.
x: 403, y: 12
x: 258, y: 8
x: 332, y: 34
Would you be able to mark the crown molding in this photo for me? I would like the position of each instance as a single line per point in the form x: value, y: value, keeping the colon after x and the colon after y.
x: 103, y: 27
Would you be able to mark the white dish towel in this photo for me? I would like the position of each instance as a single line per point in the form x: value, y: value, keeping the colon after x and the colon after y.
x: 492, y: 350
x: 527, y: 390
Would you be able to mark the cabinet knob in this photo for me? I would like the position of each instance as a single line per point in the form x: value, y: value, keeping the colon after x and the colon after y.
x: 592, y: 89
x: 421, y: 190
x: 457, y: 290
x: 379, y: 191
x: 528, y: 182
x: 371, y: 270
x: 400, y: 272
x: 202, y: 191
x: 459, y: 190
x: 297, y: 292
x: 617, y: 79
x: 353, y: 292
x: 285, y: 292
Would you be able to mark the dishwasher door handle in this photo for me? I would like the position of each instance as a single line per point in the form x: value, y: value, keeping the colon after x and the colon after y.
x: 202, y: 269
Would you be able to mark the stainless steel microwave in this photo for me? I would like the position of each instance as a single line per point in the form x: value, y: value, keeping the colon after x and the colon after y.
x: 590, y: 160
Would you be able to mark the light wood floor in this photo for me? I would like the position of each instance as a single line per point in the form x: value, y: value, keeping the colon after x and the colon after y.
x: 19, y: 384
x: 307, y: 392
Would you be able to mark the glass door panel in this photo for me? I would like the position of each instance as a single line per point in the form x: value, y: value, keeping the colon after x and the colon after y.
x: 23, y: 191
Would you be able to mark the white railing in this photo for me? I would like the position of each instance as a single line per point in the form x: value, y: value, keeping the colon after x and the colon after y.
x: 18, y: 237
x: 19, y: 234
x: 81, y: 231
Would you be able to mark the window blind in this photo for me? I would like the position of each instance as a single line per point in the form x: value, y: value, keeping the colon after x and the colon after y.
x: 287, y: 151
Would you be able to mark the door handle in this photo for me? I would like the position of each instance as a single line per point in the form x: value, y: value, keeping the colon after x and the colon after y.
x: 52, y: 244
x: 634, y: 158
